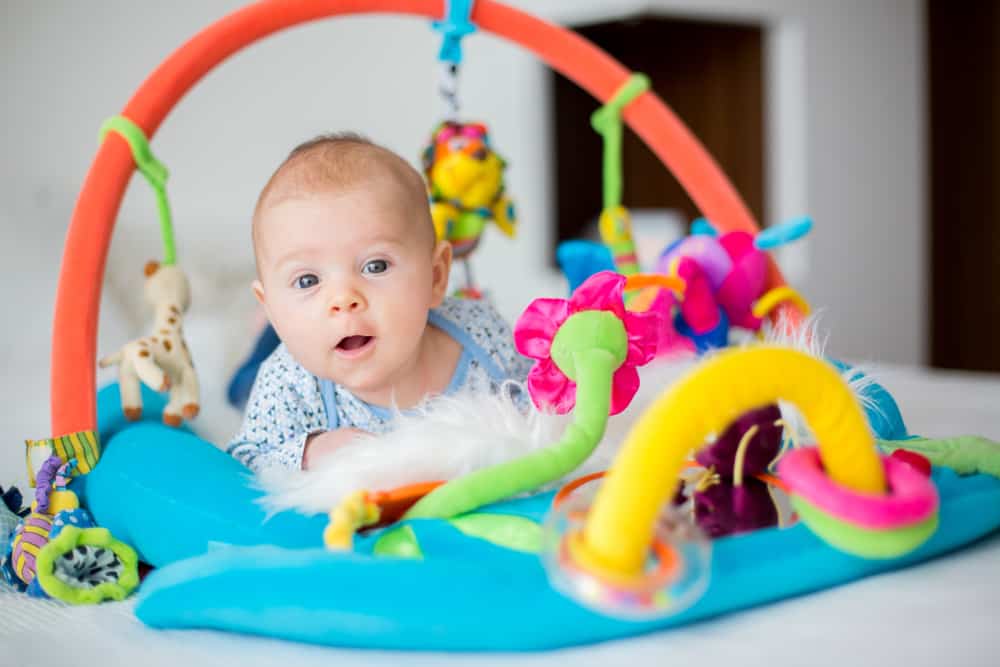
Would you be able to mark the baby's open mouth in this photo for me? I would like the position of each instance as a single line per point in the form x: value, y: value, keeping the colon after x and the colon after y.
x: 353, y: 343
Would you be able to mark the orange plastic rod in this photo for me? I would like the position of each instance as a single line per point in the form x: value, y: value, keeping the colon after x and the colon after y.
x: 85, y: 252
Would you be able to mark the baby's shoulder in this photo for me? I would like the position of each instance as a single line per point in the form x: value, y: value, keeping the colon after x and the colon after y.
x: 476, y: 317
x: 280, y: 369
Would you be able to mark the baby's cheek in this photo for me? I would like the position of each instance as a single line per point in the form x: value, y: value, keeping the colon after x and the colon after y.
x: 411, y: 313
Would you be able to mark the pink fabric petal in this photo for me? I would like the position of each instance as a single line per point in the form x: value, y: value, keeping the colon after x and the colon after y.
x: 624, y: 384
x: 738, y: 244
x: 698, y: 307
x: 643, y: 331
x: 550, y: 389
x: 537, y: 326
x: 670, y: 342
x: 753, y: 268
x: 663, y: 302
x: 736, y: 296
x: 601, y: 291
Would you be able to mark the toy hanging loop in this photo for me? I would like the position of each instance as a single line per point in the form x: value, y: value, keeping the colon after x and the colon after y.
x: 154, y: 171
x: 615, y: 224
x: 607, y: 121
x: 453, y: 28
x: 455, y: 25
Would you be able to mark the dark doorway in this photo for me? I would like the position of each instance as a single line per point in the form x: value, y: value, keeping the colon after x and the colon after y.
x: 711, y: 75
x: 963, y: 46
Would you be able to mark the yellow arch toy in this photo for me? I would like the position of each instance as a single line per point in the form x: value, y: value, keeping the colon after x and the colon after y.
x: 618, y: 533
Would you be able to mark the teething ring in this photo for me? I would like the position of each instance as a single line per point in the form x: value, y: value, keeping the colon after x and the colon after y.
x: 864, y: 524
x: 667, y: 561
x: 564, y: 492
x: 911, y: 498
x: 667, y: 565
x: 675, y: 570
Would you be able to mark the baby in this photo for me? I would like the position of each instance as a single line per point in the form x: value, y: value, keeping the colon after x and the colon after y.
x: 353, y: 280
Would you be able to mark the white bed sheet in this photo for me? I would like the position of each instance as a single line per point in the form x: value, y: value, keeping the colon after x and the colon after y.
x: 943, y: 612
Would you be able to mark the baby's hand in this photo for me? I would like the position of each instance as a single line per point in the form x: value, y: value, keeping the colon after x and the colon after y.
x: 319, y: 445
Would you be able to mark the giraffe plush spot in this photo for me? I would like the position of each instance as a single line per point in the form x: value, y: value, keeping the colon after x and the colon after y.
x: 191, y: 410
x: 172, y: 420
x: 167, y: 345
x: 132, y: 414
x: 143, y: 353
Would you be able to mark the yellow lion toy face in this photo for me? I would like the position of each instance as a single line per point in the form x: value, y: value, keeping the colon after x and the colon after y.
x: 461, y: 168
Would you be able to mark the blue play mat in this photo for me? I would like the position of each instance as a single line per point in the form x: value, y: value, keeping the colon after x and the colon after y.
x: 191, y: 511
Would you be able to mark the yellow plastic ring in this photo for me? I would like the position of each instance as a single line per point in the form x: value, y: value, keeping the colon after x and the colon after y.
x: 776, y: 296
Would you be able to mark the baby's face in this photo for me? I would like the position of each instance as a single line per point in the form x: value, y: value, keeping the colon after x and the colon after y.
x: 347, y: 279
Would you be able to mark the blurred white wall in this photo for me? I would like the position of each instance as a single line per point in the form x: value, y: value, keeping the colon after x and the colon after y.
x: 846, y: 146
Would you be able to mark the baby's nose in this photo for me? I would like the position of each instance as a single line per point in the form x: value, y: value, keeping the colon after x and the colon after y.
x: 348, y: 303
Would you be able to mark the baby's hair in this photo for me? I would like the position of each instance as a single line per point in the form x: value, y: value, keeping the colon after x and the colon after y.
x: 330, y: 138
x: 340, y: 161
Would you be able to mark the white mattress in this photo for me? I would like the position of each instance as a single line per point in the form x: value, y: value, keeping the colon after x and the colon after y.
x: 939, y: 613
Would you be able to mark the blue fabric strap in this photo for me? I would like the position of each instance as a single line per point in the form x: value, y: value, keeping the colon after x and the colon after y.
x: 326, y: 390
x: 469, y: 347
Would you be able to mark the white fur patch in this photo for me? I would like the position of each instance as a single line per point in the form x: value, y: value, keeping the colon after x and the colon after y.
x: 447, y: 438
x: 807, y: 338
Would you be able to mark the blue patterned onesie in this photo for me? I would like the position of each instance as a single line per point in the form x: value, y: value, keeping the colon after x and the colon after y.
x: 287, y: 403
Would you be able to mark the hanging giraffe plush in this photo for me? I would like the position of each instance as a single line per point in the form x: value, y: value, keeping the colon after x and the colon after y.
x: 161, y: 360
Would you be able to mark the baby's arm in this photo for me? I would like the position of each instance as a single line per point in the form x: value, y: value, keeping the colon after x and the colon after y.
x: 319, y: 445
x: 284, y: 409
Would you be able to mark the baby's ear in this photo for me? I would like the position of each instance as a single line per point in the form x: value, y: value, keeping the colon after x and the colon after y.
x: 441, y: 271
x: 258, y: 291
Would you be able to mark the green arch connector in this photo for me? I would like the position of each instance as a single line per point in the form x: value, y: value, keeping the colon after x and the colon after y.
x: 154, y: 171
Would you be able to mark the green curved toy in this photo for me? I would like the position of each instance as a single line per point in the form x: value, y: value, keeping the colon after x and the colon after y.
x: 589, y: 347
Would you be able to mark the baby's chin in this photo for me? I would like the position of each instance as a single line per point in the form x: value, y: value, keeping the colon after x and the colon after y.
x: 370, y: 380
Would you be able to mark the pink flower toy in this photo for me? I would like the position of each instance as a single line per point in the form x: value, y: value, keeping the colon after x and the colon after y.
x: 560, y: 333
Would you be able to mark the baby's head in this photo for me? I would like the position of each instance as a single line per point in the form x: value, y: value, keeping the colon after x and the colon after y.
x: 348, y: 265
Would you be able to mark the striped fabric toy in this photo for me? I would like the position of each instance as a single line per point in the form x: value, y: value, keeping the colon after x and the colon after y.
x: 615, y: 225
x: 29, y: 538
x: 82, y: 446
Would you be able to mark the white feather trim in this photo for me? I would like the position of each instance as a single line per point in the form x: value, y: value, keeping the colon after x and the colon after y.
x: 446, y: 438
x: 806, y: 337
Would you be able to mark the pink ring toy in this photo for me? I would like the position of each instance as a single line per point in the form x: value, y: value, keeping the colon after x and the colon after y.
x: 912, y: 497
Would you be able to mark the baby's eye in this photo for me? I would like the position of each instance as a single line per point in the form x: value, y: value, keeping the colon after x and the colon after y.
x: 375, y: 266
x: 307, y: 281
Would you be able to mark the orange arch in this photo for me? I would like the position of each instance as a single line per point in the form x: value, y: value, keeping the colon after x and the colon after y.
x: 73, y: 402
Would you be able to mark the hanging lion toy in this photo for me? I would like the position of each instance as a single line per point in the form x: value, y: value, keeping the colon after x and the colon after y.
x: 465, y: 181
